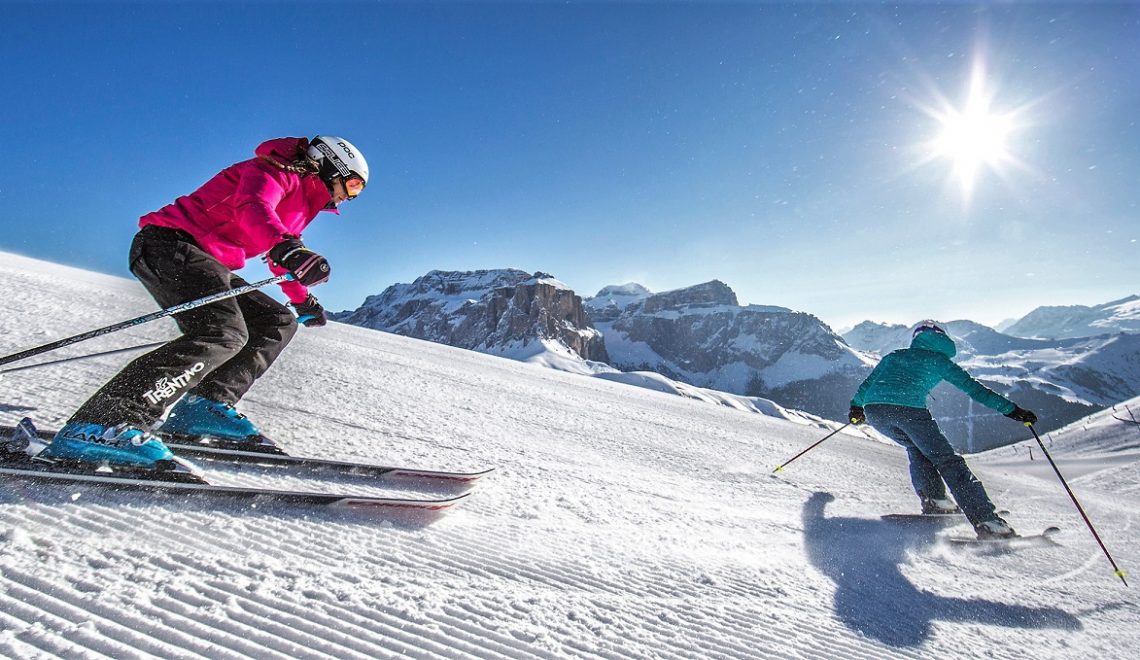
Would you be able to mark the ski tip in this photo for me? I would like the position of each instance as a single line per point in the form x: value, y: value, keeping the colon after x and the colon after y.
x: 425, y: 506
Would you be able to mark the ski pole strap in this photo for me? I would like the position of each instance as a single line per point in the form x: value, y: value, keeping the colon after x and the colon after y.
x: 123, y: 325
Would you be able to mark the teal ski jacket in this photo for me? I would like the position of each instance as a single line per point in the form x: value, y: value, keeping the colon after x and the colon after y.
x: 906, y: 376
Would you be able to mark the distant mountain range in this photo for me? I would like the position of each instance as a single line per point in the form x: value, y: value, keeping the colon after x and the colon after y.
x: 1065, y: 322
x: 698, y: 335
x: 702, y: 336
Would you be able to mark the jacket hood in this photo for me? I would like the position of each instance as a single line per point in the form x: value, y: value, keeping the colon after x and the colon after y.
x: 934, y: 341
x: 286, y: 149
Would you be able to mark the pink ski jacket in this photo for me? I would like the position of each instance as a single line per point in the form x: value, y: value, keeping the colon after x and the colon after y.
x: 248, y: 207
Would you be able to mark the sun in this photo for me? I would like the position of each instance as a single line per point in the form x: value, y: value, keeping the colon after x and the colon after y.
x: 975, y: 138
x: 972, y: 138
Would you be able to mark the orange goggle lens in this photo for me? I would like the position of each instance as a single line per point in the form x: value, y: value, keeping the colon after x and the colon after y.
x: 353, y: 186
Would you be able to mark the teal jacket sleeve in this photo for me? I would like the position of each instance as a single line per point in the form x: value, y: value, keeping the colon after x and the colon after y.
x: 857, y: 400
x: 958, y: 377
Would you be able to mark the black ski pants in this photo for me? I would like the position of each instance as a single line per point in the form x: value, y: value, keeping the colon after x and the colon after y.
x: 225, y: 346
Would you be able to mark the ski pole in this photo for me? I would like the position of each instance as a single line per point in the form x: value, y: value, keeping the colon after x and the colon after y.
x: 1116, y: 569
x: 162, y: 313
x: 84, y: 357
x: 819, y: 442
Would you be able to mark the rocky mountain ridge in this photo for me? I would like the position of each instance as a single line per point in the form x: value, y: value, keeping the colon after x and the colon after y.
x: 702, y: 335
x: 507, y: 312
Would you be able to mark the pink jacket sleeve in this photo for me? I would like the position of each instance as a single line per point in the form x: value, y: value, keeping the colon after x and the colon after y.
x: 255, y: 209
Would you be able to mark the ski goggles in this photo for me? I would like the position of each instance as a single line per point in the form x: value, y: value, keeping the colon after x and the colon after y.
x: 353, y: 186
x: 927, y: 326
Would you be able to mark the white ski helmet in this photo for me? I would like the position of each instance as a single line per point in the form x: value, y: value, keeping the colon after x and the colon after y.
x: 337, y: 157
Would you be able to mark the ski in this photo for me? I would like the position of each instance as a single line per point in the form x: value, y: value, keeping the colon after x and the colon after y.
x: 1011, y: 542
x: 214, y: 450
x: 957, y: 516
x: 925, y: 517
x: 16, y: 465
x: 369, y: 469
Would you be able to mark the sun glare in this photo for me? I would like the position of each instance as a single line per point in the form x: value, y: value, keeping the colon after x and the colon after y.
x: 974, y: 138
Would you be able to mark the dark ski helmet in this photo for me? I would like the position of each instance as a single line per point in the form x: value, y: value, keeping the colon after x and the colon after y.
x: 336, y: 157
x: 927, y: 326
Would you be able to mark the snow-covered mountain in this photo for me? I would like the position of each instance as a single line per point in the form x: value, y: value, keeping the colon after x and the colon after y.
x: 878, y: 338
x: 702, y: 335
x: 1061, y: 322
x: 1060, y: 379
x: 620, y: 522
x: 505, y: 312
x: 611, y: 300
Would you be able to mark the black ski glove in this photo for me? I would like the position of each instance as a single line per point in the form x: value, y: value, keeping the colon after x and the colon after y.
x: 310, y: 312
x: 307, y: 266
x: 856, y: 415
x: 1019, y: 414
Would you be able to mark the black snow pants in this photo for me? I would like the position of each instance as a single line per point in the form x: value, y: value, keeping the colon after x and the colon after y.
x: 225, y: 346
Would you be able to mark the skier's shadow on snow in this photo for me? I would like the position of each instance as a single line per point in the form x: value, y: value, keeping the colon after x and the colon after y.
x: 863, y: 557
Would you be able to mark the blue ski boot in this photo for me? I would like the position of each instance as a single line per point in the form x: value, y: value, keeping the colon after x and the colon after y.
x: 123, y: 445
x: 204, y: 421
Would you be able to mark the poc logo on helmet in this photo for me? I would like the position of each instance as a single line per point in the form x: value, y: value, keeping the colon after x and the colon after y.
x: 347, y: 149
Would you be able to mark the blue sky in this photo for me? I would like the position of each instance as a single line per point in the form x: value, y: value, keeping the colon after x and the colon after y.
x: 788, y: 149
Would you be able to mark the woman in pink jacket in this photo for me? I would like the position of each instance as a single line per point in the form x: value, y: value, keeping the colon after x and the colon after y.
x: 189, y: 249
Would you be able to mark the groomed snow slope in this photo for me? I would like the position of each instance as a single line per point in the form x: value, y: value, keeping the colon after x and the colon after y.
x: 621, y: 523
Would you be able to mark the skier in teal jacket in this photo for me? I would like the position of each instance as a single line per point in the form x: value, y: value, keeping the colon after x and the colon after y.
x: 893, y: 400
